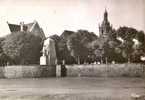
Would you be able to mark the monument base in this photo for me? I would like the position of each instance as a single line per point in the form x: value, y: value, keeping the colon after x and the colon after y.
x: 43, y: 60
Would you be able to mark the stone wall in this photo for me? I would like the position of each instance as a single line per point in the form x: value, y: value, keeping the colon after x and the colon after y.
x: 109, y: 70
x: 27, y: 71
x: 2, y: 71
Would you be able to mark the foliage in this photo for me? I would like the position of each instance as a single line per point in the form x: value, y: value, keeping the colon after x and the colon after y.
x: 3, y: 56
x: 57, y: 39
x: 112, y: 49
x: 63, y: 53
x: 128, y: 50
x: 84, y: 46
x: 22, y: 48
x: 77, y: 45
x: 66, y: 34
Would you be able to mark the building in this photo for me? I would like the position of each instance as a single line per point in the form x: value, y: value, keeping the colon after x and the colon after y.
x: 33, y: 28
x: 104, y: 30
x: 105, y: 27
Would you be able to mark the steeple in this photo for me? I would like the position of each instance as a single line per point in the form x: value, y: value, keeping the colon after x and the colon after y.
x: 105, y: 27
x: 105, y: 15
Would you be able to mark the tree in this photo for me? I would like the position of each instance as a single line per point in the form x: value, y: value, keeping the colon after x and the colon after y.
x: 77, y: 45
x: 57, y: 39
x: 3, y: 57
x: 126, y: 33
x: 77, y: 50
x: 66, y: 34
x: 22, y: 48
x: 128, y: 51
x: 63, y: 53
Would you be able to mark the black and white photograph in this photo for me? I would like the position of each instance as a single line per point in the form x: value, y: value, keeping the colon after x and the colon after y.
x: 72, y: 49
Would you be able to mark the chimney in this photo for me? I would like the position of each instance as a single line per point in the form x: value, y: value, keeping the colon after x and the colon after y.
x: 21, y: 26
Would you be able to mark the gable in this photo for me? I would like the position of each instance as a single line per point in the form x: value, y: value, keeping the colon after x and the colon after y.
x: 36, y: 30
x: 33, y: 27
x: 16, y: 28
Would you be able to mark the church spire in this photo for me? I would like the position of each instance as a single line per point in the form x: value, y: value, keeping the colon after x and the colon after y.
x: 105, y: 15
x: 105, y: 26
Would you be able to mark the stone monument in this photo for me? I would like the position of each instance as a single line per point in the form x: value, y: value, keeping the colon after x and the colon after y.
x: 49, y: 52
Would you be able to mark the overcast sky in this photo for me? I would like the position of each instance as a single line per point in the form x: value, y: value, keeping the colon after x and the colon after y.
x: 54, y: 16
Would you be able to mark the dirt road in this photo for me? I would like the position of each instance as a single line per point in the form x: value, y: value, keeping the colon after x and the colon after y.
x: 70, y: 88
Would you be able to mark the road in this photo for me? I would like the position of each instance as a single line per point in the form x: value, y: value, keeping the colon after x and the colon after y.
x: 70, y: 88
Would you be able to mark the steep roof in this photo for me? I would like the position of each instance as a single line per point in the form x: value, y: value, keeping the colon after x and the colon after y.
x: 15, y: 27
x: 29, y: 27
x: 26, y: 27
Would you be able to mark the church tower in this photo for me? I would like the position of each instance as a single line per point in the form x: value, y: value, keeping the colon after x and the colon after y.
x: 105, y: 27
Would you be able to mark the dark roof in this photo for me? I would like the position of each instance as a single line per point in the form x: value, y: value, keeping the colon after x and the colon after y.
x: 15, y: 28
x: 30, y: 27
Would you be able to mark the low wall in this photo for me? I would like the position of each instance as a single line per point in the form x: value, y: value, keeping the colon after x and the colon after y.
x: 27, y: 71
x: 109, y: 70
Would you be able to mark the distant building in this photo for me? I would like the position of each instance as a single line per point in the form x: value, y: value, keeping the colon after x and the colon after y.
x: 104, y: 30
x: 105, y: 27
x: 33, y: 27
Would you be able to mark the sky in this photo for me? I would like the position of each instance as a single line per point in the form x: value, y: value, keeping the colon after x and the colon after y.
x: 55, y: 16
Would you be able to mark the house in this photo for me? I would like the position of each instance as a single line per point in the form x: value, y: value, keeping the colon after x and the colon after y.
x: 33, y: 28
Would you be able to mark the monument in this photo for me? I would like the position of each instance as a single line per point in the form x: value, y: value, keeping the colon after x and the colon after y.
x: 49, y: 53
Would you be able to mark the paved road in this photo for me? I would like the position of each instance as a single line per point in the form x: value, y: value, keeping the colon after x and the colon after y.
x: 102, y: 87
